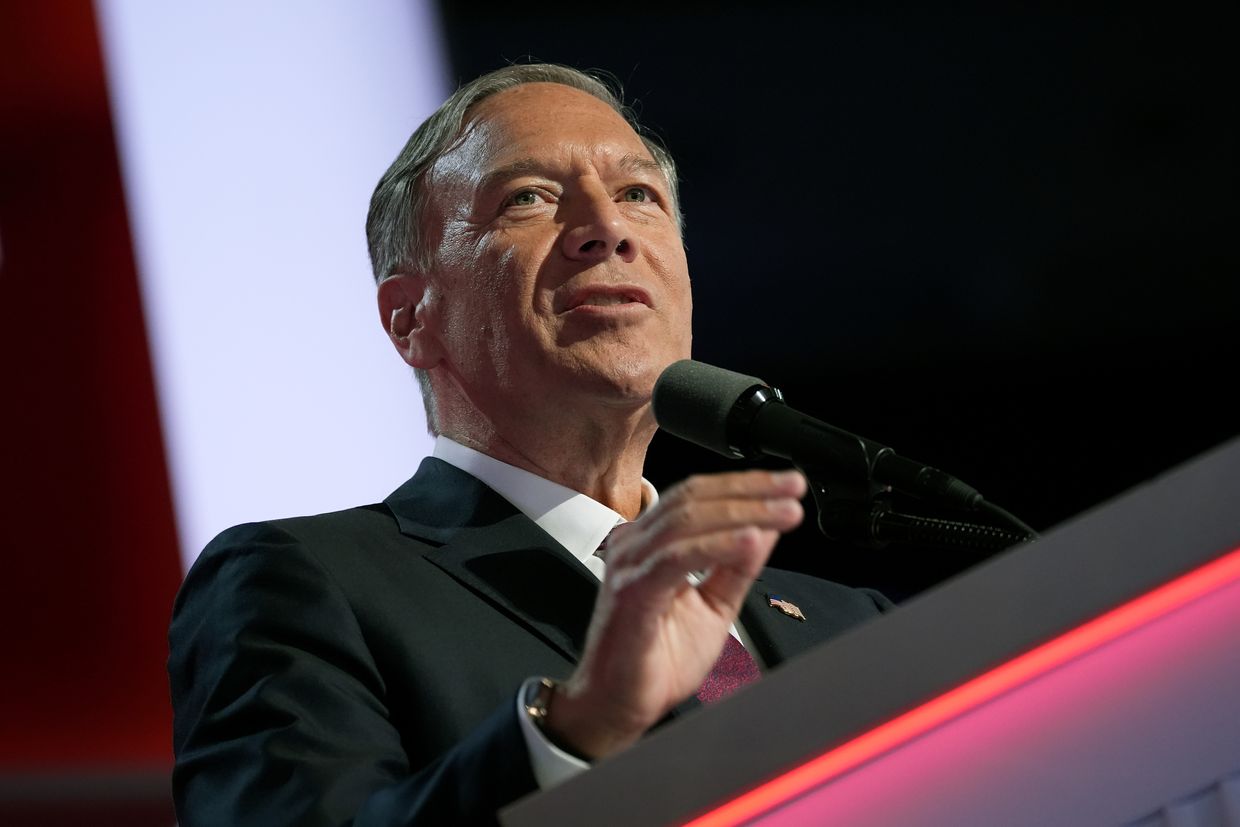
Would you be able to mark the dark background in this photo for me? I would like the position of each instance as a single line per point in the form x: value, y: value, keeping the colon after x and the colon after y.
x: 1001, y: 241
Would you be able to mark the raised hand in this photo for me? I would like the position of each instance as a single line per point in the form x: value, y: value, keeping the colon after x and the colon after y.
x: 654, y: 635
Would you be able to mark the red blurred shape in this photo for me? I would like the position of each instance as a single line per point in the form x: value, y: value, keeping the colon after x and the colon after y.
x: 88, y: 537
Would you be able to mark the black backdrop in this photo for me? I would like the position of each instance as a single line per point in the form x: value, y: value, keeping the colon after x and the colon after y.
x: 1001, y: 242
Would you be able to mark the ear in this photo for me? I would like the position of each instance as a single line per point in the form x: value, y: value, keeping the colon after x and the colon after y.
x: 404, y: 314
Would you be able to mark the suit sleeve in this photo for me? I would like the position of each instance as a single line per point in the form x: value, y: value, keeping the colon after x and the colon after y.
x: 279, y: 711
x: 881, y: 601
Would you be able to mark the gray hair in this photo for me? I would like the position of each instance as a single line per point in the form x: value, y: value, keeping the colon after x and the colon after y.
x: 394, y: 226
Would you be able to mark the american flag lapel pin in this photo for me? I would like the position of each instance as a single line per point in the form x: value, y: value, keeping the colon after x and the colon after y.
x: 787, y: 607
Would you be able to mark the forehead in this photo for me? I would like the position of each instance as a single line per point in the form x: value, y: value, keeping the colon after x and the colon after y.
x: 539, y: 120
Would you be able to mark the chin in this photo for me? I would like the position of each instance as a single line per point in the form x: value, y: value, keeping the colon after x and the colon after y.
x: 625, y: 377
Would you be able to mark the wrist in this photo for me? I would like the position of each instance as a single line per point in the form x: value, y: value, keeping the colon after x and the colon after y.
x: 576, y: 724
x: 537, y: 703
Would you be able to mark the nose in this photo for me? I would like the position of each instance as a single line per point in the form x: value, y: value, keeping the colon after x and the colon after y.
x: 597, y: 231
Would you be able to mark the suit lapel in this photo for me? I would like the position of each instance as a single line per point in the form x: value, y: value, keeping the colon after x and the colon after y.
x: 775, y: 635
x: 498, y: 553
x: 488, y: 546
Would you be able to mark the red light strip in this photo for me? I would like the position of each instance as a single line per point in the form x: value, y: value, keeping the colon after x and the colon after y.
x: 885, y: 737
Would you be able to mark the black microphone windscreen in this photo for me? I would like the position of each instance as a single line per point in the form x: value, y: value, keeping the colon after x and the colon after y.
x: 694, y: 401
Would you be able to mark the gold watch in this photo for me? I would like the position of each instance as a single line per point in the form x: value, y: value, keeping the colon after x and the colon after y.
x: 538, y: 699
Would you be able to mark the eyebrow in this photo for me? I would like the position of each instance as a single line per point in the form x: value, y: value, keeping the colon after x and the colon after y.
x: 628, y: 162
x: 523, y: 166
x: 636, y: 163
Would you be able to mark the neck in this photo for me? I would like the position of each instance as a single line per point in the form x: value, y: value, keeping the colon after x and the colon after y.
x: 601, y: 456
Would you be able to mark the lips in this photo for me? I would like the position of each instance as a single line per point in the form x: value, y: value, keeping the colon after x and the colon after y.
x: 611, y: 295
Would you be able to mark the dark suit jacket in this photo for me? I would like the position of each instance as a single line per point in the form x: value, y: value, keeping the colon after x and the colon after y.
x: 361, y: 667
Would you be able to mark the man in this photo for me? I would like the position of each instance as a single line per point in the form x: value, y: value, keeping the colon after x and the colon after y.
x: 380, y: 666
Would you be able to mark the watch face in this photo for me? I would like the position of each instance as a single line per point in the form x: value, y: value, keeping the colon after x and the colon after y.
x: 537, y: 696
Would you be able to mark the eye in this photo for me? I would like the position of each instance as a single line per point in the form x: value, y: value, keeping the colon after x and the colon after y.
x: 637, y: 194
x: 523, y: 198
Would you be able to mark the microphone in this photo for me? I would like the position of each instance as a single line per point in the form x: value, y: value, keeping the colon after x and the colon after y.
x: 744, y: 418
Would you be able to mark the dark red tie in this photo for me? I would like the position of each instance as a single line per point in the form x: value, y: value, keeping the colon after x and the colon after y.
x: 735, y: 668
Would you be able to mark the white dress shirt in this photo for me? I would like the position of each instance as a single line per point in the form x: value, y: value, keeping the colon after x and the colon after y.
x: 573, y: 520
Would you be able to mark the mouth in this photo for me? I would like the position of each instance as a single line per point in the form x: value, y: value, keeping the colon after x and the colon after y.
x: 616, y: 295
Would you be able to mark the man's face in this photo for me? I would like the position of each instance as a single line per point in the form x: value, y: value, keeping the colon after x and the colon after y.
x: 559, y: 271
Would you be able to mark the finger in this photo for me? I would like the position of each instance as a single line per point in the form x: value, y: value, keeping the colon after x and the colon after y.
x: 737, y: 484
x: 664, y: 573
x: 726, y: 585
x: 694, y: 518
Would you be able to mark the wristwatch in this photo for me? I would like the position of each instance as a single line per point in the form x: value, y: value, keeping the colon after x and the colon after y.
x: 538, y: 698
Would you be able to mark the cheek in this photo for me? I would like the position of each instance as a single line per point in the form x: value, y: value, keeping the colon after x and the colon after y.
x: 500, y: 271
x: 516, y: 271
x: 497, y: 297
x: 670, y: 263
x: 456, y: 249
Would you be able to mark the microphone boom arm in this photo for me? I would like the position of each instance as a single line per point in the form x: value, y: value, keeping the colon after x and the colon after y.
x: 849, y: 475
x: 742, y: 417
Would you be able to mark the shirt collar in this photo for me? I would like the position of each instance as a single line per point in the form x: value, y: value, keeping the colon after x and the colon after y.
x: 573, y: 520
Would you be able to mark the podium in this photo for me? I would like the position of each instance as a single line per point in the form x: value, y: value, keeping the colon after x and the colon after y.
x: 1090, y: 677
